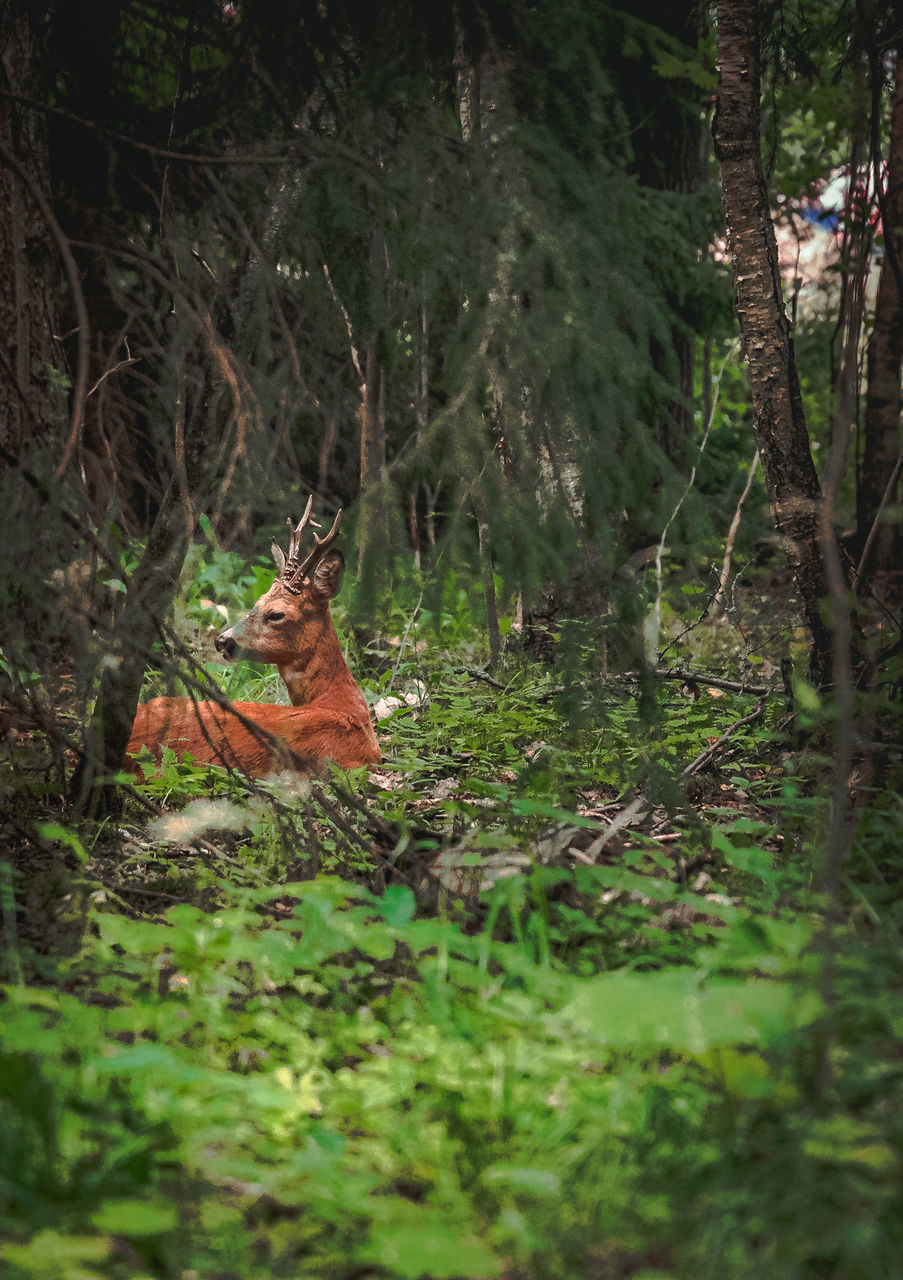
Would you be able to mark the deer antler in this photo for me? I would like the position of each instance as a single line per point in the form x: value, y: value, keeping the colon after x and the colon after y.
x: 295, y: 534
x: 293, y: 573
x: 319, y: 548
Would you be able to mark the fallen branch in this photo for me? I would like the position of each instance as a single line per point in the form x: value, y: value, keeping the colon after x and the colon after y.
x: 716, y: 682
x: 623, y: 819
x: 705, y: 756
x: 479, y: 675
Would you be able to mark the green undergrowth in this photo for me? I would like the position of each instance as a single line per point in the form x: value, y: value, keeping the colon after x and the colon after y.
x: 312, y: 1080
x: 451, y: 1020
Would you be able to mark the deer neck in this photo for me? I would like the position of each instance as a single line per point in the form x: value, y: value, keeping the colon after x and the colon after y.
x: 317, y: 668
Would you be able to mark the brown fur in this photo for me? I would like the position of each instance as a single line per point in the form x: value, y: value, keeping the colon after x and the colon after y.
x: 212, y: 734
x: 329, y: 719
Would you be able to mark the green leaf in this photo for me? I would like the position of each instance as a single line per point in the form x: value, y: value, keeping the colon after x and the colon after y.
x: 670, y: 67
x: 671, y: 1009
x: 58, y: 1257
x: 398, y: 906
x: 806, y: 696
x: 136, y: 1217
x: 53, y: 831
x: 518, y: 1178
x: 752, y: 861
x: 423, y: 1243
x: 148, y: 1057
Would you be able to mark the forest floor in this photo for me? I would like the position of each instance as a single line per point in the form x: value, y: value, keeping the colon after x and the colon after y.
x: 554, y: 992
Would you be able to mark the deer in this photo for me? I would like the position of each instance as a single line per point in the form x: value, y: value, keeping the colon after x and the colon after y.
x: 291, y: 627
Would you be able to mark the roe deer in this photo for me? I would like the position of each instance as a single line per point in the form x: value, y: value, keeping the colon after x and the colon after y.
x: 291, y: 627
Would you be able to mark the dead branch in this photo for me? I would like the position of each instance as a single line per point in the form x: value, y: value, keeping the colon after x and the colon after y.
x: 130, y: 359
x: 717, y: 603
x: 885, y: 499
x: 355, y: 357
x: 654, y: 619
x: 78, y: 301
x: 703, y: 678
x: 712, y: 750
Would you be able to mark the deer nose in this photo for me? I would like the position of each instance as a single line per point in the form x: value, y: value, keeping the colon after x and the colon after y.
x: 225, y: 644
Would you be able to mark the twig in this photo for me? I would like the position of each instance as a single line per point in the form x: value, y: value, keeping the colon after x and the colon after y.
x: 145, y: 893
x: 623, y: 819
x: 161, y: 152
x: 377, y: 825
x: 479, y: 675
x: 717, y: 682
x: 115, y: 369
x: 355, y: 358
x: 718, y: 598
x: 78, y: 301
x: 734, y: 686
x: 705, y: 756
x: 655, y: 618
x: 404, y: 639
x: 885, y: 499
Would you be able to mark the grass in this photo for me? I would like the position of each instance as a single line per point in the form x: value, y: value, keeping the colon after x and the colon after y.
x: 453, y: 1020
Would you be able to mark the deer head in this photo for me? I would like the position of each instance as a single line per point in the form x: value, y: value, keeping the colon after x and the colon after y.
x: 289, y: 621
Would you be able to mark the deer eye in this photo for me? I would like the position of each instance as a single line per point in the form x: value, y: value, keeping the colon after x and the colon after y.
x: 273, y: 617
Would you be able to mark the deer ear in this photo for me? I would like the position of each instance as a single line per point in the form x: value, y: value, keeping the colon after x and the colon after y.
x: 278, y: 556
x: 327, y: 577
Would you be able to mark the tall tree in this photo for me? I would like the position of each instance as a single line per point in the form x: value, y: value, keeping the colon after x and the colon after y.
x: 28, y: 256
x: 779, y: 421
x: 246, y: 191
x: 667, y: 132
x: 880, y: 474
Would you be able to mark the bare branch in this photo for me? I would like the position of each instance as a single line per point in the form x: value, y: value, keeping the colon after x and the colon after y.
x: 717, y: 602
x: 654, y: 619
x: 130, y: 359
x: 885, y: 499
x: 78, y: 301
x: 712, y: 750
x: 355, y: 358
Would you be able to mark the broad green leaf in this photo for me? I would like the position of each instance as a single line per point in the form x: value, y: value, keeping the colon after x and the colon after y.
x: 519, y: 1178
x: 671, y: 1009
x: 398, y: 906
x: 136, y: 1217
x: 53, y: 831
x: 51, y: 1256
x: 424, y: 1244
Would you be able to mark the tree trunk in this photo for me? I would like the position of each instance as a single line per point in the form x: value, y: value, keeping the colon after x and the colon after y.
x: 667, y: 137
x: 372, y: 418
x: 881, y: 444
x: 28, y: 255
x: 854, y: 263
x: 779, y: 421
x: 150, y: 593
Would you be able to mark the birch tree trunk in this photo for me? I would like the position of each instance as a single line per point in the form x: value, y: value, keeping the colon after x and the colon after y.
x: 779, y: 421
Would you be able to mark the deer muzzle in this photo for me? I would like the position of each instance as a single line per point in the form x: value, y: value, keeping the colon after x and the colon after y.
x: 226, y: 644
